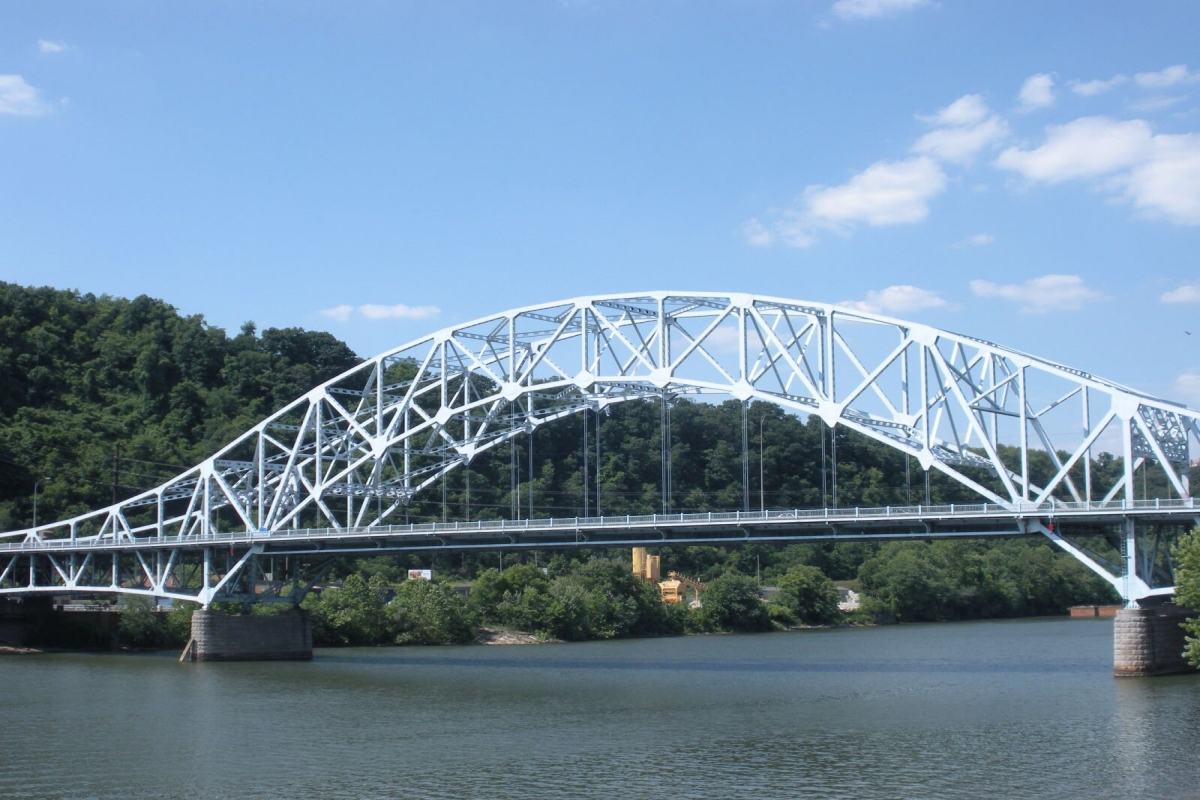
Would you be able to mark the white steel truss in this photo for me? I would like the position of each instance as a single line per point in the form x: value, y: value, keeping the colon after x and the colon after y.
x: 352, y: 453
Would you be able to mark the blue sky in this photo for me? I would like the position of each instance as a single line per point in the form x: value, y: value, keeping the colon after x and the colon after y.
x: 1024, y: 172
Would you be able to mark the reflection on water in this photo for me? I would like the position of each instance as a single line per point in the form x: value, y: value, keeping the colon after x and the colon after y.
x: 1000, y: 709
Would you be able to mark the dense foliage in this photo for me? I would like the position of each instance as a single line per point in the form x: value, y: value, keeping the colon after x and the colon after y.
x: 1187, y: 590
x: 86, y: 375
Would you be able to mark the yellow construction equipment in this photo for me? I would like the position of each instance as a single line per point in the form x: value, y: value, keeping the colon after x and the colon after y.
x: 649, y: 568
x: 674, y: 587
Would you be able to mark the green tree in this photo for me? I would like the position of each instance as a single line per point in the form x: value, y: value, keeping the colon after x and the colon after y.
x: 426, y: 612
x: 1187, y: 589
x: 732, y: 602
x: 139, y: 625
x: 513, y: 597
x: 808, y: 596
x: 352, y: 615
x: 906, y: 581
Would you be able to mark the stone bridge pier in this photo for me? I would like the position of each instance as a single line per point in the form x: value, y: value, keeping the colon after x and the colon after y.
x: 217, y: 636
x: 1149, y: 641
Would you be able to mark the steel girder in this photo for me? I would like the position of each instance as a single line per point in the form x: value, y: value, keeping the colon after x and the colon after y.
x: 353, y: 452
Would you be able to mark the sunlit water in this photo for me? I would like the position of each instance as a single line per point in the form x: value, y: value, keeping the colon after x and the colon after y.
x: 994, y: 709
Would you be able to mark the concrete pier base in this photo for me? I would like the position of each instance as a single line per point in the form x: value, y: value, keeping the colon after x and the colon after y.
x: 217, y: 636
x: 1149, y: 641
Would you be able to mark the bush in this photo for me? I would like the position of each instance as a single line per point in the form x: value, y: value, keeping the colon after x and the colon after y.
x: 425, y: 612
x: 807, y: 596
x: 139, y: 625
x: 352, y: 615
x: 732, y: 603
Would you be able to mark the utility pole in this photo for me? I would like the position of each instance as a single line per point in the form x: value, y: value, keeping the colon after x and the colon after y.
x: 762, y: 503
x: 746, y: 456
x: 36, y: 484
x: 116, y: 476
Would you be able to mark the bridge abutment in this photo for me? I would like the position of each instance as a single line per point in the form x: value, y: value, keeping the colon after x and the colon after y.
x: 217, y: 636
x: 1149, y: 641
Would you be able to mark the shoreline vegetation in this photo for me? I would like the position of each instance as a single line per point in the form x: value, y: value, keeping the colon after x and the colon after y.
x: 595, y: 595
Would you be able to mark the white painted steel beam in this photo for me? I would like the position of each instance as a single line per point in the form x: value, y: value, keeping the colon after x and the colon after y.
x: 351, y: 454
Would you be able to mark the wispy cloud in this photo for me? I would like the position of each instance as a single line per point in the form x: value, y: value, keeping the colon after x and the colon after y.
x: 967, y: 127
x: 19, y: 98
x: 49, y: 46
x: 398, y: 311
x: 1095, y: 87
x: 1154, y: 103
x: 1166, y: 77
x: 1041, y: 295
x: 970, y: 109
x: 341, y: 313
x: 901, y: 299
x: 373, y: 311
x: 756, y: 234
x: 1187, y: 293
x: 870, y: 9
x: 1186, y: 387
x: 978, y: 240
x: 1037, y: 92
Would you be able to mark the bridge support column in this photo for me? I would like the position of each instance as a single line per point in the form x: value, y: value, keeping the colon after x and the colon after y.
x: 217, y: 636
x: 1149, y: 641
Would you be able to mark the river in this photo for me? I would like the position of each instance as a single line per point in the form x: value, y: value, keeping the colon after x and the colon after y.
x: 1015, y: 709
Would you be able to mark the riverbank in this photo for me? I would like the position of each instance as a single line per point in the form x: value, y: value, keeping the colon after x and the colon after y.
x: 499, y: 636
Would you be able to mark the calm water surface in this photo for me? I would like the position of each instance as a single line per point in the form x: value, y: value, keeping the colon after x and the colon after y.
x: 993, y: 709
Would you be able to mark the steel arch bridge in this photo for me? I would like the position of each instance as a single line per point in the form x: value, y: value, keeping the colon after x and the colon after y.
x: 332, y: 471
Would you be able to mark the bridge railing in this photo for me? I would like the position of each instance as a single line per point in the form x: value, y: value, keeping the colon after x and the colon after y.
x: 627, y: 521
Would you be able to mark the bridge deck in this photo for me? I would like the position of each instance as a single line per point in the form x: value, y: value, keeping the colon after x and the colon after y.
x: 823, y: 524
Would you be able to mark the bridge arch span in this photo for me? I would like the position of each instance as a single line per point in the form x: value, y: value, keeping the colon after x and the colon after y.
x: 353, y: 452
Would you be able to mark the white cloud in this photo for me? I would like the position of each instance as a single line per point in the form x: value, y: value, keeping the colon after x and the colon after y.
x: 398, y: 311
x: 1038, y: 92
x: 1084, y: 148
x: 961, y: 144
x: 966, y: 110
x: 343, y: 312
x: 1041, y: 295
x: 1166, y: 77
x: 868, y: 9
x: 897, y: 300
x: 340, y: 313
x: 795, y: 229
x: 19, y: 98
x: 1168, y: 184
x: 885, y: 193
x: 1092, y: 88
x: 48, y: 46
x: 1159, y: 174
x: 1186, y: 387
x: 1187, y: 293
x: 757, y: 234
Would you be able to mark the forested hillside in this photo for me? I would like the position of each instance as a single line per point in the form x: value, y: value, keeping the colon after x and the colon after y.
x: 107, y: 396
x: 86, y: 376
